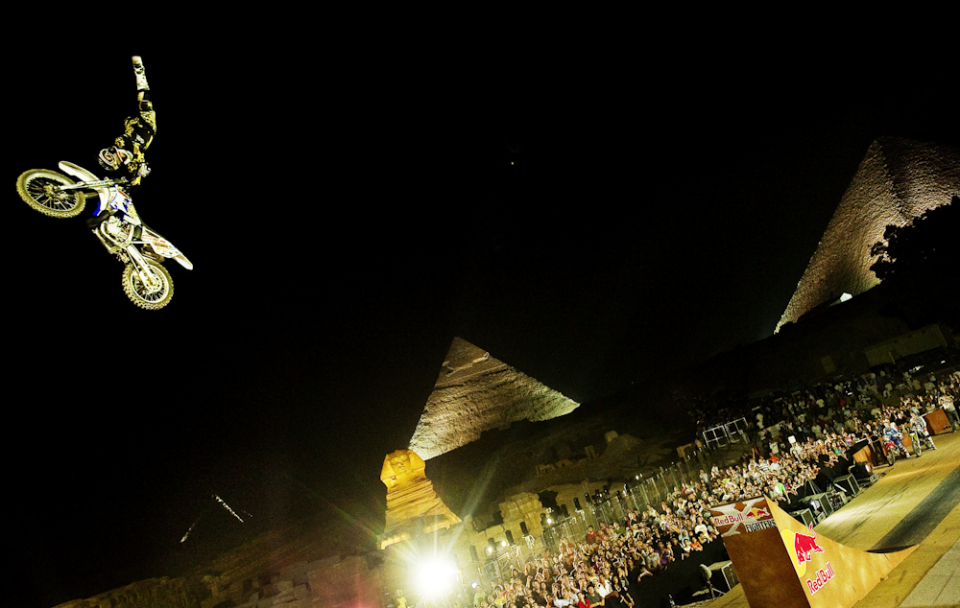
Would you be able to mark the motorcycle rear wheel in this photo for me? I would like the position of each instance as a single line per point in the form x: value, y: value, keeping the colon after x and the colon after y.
x: 39, y: 188
x: 137, y: 291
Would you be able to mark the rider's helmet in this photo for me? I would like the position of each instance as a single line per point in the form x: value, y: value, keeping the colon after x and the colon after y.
x: 113, y: 158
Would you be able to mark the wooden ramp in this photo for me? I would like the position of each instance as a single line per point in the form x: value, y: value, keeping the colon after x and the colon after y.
x: 783, y: 564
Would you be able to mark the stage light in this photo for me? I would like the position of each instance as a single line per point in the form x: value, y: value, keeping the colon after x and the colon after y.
x: 435, y: 577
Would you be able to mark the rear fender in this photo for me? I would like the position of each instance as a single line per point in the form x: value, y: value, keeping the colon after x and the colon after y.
x: 164, y: 248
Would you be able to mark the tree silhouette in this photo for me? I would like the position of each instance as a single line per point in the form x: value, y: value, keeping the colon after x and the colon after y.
x: 921, y: 263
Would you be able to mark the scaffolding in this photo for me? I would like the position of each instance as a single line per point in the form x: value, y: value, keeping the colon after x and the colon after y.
x: 725, y: 434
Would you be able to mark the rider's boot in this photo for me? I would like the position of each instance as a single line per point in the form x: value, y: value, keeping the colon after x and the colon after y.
x: 141, y: 75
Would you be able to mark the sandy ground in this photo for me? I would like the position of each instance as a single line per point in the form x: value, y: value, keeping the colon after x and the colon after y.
x: 929, y: 576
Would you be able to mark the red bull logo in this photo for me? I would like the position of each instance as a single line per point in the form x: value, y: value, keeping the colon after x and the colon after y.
x: 801, y: 546
x: 804, y: 545
x: 743, y: 517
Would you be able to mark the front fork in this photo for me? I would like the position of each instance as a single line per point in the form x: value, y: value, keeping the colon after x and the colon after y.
x: 148, y: 277
x: 129, y: 254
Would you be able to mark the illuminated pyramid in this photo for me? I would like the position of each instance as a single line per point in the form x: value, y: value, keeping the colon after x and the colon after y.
x: 476, y: 393
x: 897, y: 181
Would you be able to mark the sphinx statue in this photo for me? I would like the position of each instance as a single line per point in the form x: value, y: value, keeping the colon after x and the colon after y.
x: 411, y: 499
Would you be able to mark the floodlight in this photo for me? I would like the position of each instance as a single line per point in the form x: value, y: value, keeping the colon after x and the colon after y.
x: 435, y: 577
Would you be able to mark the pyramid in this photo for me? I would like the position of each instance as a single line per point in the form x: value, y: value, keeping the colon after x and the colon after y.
x: 897, y: 181
x: 476, y: 393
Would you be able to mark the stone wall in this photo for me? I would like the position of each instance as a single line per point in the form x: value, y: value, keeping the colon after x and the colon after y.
x: 897, y: 181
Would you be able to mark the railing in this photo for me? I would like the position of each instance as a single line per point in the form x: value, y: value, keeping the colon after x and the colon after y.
x: 725, y: 434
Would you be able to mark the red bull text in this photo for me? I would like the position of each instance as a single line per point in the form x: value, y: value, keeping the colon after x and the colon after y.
x: 824, y: 575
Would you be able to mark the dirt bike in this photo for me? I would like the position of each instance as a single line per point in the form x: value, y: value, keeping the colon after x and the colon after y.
x: 893, y: 450
x: 915, y: 440
x: 141, y: 249
x: 922, y: 437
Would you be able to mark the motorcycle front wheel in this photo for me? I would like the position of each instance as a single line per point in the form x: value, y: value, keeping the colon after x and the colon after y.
x: 137, y: 291
x: 40, y: 188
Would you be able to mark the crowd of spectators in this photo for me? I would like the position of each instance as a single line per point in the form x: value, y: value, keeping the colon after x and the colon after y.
x: 606, y: 567
x: 804, y: 451
x: 856, y: 406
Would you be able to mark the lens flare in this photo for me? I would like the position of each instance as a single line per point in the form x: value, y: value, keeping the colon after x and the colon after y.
x: 435, y: 577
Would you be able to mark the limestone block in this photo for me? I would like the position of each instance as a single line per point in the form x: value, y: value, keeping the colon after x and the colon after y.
x: 286, y: 596
x: 294, y: 571
x: 269, y: 590
x: 337, y: 583
x: 518, y: 507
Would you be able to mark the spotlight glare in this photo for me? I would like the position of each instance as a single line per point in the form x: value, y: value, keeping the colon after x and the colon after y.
x: 435, y: 577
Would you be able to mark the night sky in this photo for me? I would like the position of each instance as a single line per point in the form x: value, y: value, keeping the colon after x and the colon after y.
x: 589, y: 218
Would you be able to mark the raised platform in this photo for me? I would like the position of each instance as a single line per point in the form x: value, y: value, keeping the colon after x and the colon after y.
x: 870, y: 518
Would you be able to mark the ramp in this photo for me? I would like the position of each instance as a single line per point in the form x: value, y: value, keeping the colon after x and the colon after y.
x: 783, y: 564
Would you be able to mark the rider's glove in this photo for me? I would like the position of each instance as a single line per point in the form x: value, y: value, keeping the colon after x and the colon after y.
x: 144, y: 170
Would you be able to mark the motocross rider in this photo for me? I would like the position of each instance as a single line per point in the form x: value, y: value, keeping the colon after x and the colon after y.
x: 920, y: 428
x: 892, y: 435
x: 126, y: 153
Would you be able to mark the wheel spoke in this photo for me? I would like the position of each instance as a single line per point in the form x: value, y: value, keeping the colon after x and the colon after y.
x: 41, y: 189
